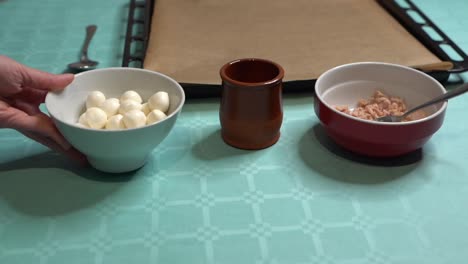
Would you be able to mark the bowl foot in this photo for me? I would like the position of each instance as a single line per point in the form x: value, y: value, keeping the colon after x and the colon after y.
x: 117, y: 165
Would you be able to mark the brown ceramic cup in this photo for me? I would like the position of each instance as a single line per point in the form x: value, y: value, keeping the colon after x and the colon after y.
x: 251, y: 111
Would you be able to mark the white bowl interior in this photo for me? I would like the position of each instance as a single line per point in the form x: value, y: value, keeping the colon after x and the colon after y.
x: 68, y: 105
x: 346, y: 85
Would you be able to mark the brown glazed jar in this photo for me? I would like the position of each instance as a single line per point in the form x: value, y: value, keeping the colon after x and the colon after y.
x: 251, y: 111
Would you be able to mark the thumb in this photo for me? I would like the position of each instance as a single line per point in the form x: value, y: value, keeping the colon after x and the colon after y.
x: 33, y: 78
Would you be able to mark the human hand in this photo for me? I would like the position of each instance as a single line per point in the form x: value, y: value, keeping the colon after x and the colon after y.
x: 22, y: 90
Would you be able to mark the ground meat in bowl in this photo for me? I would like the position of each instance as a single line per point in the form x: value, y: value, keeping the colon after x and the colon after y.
x: 380, y: 105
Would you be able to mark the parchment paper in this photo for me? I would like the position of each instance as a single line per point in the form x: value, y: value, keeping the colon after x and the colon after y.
x: 191, y: 39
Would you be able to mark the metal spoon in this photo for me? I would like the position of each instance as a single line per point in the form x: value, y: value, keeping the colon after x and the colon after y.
x: 455, y: 92
x: 85, y: 63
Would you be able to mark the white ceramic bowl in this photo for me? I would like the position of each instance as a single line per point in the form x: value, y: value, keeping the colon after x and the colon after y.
x: 114, y: 151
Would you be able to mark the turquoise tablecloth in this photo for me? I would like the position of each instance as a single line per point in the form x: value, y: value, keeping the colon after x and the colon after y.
x: 199, y: 201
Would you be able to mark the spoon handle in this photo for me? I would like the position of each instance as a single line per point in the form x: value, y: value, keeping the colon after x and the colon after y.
x: 450, y: 94
x: 90, y: 30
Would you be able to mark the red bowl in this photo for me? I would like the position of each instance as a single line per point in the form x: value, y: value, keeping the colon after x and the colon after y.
x: 346, y: 84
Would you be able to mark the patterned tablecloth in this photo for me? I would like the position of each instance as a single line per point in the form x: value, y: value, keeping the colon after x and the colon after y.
x: 304, y: 200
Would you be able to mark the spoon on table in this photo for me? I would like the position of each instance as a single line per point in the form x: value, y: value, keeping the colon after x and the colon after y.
x: 85, y: 63
x: 455, y: 92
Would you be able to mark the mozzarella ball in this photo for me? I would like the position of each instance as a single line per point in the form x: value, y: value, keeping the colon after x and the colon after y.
x: 160, y: 101
x: 95, y: 99
x: 155, y: 116
x: 96, y: 117
x: 131, y: 95
x: 115, y: 122
x: 110, y: 106
x: 82, y: 120
x: 145, y: 108
x: 129, y: 105
x: 134, y: 119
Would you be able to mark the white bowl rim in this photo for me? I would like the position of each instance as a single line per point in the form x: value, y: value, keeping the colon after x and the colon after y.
x: 433, y: 115
x: 175, y: 112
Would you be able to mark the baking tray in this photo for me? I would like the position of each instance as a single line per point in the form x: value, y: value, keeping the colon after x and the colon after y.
x: 404, y: 11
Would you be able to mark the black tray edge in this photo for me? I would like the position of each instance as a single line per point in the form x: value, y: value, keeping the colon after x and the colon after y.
x: 417, y: 30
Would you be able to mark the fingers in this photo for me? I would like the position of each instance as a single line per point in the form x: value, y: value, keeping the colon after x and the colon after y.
x: 10, y: 77
x: 30, y: 109
x: 38, y: 127
x: 39, y: 124
x: 43, y: 125
x: 33, y: 96
x: 33, y: 78
x: 28, y: 100
x: 71, y: 152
